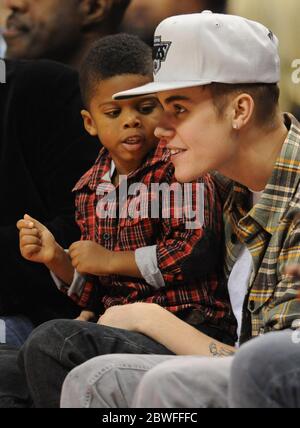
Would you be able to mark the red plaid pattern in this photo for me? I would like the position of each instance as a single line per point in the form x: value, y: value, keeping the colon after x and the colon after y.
x: 175, y: 244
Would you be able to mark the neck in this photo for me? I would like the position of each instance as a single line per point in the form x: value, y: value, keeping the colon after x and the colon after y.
x: 256, y: 155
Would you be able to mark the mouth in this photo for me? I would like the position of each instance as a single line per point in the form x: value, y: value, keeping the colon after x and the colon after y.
x: 14, y: 29
x: 176, y: 152
x: 134, y: 143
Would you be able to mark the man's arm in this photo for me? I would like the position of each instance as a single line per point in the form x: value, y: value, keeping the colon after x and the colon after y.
x: 161, y: 325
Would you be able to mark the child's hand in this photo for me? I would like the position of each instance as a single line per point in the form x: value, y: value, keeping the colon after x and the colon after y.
x: 86, y: 316
x: 90, y: 258
x: 37, y: 244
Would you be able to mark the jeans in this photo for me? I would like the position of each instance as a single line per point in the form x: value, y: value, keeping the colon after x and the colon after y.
x: 148, y: 381
x: 13, y: 389
x: 15, y: 330
x: 266, y: 372
x: 57, y: 347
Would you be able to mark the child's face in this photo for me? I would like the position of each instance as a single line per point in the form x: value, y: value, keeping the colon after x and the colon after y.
x: 191, y: 126
x: 125, y: 128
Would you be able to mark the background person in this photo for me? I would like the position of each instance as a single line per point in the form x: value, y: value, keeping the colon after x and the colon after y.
x: 59, y: 30
x: 143, y: 16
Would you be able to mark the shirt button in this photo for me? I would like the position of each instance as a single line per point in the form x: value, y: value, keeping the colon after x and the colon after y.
x: 234, y: 239
x: 106, y: 236
x: 252, y: 305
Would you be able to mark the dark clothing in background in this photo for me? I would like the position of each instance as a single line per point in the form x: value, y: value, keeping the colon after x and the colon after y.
x: 44, y: 150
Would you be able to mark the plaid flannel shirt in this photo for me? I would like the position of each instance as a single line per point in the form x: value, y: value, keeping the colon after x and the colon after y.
x: 180, y: 251
x: 271, y: 231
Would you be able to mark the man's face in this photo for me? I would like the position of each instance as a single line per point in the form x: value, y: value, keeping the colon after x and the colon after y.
x: 42, y: 28
x: 143, y: 16
x: 199, y: 139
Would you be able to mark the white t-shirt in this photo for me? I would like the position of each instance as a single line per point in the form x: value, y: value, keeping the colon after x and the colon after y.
x: 238, y: 281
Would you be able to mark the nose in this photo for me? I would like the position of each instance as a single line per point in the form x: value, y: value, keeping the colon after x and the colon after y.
x: 15, y: 4
x: 164, y: 130
x: 132, y: 121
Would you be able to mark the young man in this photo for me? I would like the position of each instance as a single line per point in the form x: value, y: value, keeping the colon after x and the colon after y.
x: 221, y: 114
x: 59, y: 30
x: 123, y: 259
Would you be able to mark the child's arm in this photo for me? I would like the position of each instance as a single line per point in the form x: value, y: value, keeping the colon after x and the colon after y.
x: 164, y: 327
x: 93, y: 259
x: 37, y: 244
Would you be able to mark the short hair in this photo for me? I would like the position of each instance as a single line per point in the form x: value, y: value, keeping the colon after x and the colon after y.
x: 265, y: 96
x: 112, y: 56
x: 116, y: 14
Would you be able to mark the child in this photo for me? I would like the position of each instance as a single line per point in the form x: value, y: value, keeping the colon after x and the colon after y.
x: 120, y: 259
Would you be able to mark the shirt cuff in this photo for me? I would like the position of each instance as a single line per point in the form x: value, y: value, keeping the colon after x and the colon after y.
x: 77, y: 286
x: 146, y: 260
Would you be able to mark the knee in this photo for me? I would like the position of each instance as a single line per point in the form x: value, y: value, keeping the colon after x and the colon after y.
x: 255, y: 365
x: 102, y: 382
x: 157, y: 384
x: 43, y: 336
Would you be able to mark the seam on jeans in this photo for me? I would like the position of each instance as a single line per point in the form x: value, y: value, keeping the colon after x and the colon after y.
x: 97, y: 376
x: 66, y: 339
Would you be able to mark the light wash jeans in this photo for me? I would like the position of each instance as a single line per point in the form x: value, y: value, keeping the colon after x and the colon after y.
x: 14, y: 330
x: 148, y: 381
x: 266, y: 372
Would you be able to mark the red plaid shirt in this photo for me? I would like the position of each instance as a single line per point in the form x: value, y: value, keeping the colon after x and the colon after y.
x: 177, y: 247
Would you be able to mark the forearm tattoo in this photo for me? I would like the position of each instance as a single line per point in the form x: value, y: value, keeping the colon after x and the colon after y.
x: 219, y: 351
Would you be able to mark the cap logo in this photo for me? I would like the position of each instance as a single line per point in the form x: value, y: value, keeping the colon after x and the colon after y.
x: 271, y: 35
x: 160, y: 52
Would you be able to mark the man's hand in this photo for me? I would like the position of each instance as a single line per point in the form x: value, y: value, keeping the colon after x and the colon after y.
x: 37, y: 244
x: 131, y: 317
x: 90, y: 258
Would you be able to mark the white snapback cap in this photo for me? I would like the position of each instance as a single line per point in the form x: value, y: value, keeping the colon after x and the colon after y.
x: 204, y: 48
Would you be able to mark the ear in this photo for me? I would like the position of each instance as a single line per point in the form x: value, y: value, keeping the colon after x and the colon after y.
x: 243, y: 111
x: 89, y: 123
x: 95, y: 11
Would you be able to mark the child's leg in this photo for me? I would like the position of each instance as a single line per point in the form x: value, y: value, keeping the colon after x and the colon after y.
x: 57, y: 347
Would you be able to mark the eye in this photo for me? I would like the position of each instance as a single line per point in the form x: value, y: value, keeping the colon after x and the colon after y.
x: 113, y: 113
x: 147, y: 108
x: 178, y: 109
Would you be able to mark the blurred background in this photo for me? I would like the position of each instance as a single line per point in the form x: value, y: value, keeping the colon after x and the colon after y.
x: 281, y: 16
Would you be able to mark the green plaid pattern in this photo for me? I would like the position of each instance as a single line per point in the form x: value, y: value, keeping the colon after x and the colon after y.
x: 271, y: 231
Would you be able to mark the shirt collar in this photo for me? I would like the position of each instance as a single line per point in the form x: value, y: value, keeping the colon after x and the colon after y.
x: 104, y: 168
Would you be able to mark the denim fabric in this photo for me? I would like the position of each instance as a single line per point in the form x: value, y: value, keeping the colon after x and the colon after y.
x: 148, y: 381
x: 108, y: 381
x: 57, y: 347
x: 14, y: 330
x: 13, y: 389
x: 266, y: 372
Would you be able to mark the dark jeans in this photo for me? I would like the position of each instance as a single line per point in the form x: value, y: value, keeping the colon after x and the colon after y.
x: 13, y: 388
x: 15, y: 330
x: 55, y: 348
